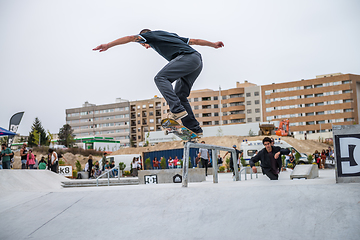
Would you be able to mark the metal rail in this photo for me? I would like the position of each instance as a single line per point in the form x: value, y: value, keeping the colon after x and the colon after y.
x: 251, y: 172
x: 108, y: 173
x: 214, y: 149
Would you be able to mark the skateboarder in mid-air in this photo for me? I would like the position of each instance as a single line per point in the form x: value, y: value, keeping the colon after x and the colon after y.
x: 185, y: 65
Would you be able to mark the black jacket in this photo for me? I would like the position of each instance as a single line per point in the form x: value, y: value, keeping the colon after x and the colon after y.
x: 265, y: 160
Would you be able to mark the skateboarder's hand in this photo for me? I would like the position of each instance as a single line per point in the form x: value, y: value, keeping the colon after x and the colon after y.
x: 219, y: 44
x: 277, y: 155
x: 254, y: 169
x: 102, y: 47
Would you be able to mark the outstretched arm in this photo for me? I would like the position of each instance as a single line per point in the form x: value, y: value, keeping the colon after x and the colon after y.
x: 120, y: 41
x: 202, y: 42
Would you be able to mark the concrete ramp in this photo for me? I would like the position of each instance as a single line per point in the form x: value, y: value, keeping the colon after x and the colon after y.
x: 30, y: 180
x: 308, y: 171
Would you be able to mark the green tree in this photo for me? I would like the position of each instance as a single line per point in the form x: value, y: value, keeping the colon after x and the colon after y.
x: 163, y: 163
x: 66, y: 136
x: 37, y: 134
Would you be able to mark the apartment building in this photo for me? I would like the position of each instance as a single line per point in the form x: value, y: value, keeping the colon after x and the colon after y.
x: 313, y: 105
x: 108, y: 120
x: 145, y: 116
x: 253, y: 111
x: 223, y: 107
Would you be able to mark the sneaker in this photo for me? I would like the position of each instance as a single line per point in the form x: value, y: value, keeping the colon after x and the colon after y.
x: 200, y: 134
x: 177, y: 116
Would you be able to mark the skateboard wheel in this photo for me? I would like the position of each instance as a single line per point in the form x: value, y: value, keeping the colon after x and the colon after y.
x: 166, y: 132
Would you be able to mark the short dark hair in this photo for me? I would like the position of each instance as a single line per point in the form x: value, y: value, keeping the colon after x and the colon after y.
x: 145, y: 31
x: 266, y: 139
x: 4, y: 144
x: 105, y: 153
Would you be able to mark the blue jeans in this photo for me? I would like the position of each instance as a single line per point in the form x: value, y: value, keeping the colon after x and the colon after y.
x: 6, y: 165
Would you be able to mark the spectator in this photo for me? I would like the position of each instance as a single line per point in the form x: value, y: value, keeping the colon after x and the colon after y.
x: 171, y: 162
x: 23, y: 156
x: 134, y: 167
x: 30, y: 159
x: 42, y: 163
x: 287, y: 159
x: 90, y: 166
x: 316, y: 157
x: 204, y: 157
x: 239, y: 154
x: 156, y: 163
x: 256, y: 152
x: 115, y: 171
x: 272, y: 141
x: 292, y: 158
x: 219, y: 161
x: 107, y: 167
x: 0, y: 162
x: 139, y: 164
x: 270, y: 157
x: 36, y: 163
x: 323, y: 158
x: 175, y: 162
x: 103, y: 161
x: 54, y: 160
x: 6, y: 154
x: 96, y: 169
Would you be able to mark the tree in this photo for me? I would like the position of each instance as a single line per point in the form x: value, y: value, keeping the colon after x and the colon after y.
x: 37, y: 134
x: 66, y: 136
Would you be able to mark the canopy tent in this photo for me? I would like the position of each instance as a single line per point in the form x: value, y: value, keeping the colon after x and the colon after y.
x: 4, y: 132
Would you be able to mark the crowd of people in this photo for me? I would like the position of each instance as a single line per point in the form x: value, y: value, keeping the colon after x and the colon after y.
x: 320, y: 158
x: 28, y: 159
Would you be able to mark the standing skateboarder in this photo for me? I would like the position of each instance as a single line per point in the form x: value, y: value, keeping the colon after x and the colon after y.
x: 185, y: 65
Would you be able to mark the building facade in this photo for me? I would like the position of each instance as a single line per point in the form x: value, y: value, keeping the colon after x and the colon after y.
x: 313, y: 105
x: 108, y: 120
x: 145, y: 116
x: 223, y: 107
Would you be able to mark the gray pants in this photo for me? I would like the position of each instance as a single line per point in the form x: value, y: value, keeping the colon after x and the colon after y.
x: 184, y: 69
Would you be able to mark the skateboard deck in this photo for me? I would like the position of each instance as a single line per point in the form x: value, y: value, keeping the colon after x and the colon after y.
x: 172, y: 126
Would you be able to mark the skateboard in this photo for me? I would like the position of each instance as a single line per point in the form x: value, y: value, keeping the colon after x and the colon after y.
x: 172, y: 126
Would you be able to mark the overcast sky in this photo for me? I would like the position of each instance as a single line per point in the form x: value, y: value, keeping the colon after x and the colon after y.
x: 47, y: 64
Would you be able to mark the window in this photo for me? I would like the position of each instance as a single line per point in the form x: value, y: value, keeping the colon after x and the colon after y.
x: 151, y: 120
x: 257, y: 119
x: 223, y: 97
x: 347, y: 91
x: 216, y: 98
x: 248, y: 111
x: 348, y: 110
x: 216, y: 106
x: 225, y: 122
x: 248, y: 102
x: 318, y: 85
x: 196, y: 115
x: 248, y: 94
x: 309, y: 114
x: 320, y: 113
x: 256, y: 94
x: 216, y: 114
x: 269, y: 118
x: 249, y: 120
x: 206, y: 99
x: 320, y: 122
x: 309, y: 105
x: 257, y: 101
x: 206, y: 114
x: 196, y: 99
x: 310, y: 123
x: 308, y: 87
x: 196, y: 107
x: 319, y: 104
x: 268, y: 92
x: 349, y: 119
x: 268, y: 101
x: 347, y: 100
x: 257, y: 110
x: 319, y: 94
x: 224, y: 105
x: 216, y: 122
x: 309, y: 96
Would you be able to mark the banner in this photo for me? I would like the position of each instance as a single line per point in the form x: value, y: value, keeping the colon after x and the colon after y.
x: 14, y: 125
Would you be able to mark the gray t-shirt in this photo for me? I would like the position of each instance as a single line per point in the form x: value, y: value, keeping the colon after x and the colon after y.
x: 168, y: 45
x: 203, y: 153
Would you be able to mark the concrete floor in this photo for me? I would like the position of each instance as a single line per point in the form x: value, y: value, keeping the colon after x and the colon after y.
x: 253, y: 209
